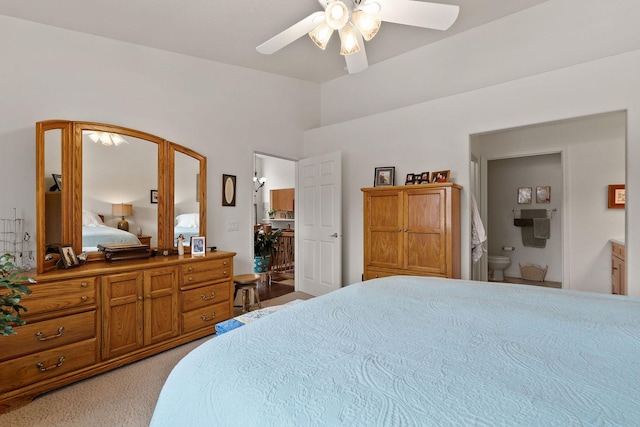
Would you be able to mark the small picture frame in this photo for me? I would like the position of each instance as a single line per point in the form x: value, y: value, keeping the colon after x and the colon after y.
x: 68, y: 257
x: 384, y: 176
x: 153, y: 196
x: 57, y: 179
x: 424, y: 178
x: 410, y: 179
x: 440, y: 176
x: 197, y: 246
x: 228, y: 190
x: 524, y: 195
x: 616, y: 196
x: 543, y: 194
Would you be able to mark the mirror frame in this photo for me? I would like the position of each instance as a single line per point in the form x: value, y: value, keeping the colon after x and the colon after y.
x: 71, y: 170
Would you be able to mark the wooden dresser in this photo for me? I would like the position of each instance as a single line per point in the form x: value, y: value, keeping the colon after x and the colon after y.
x: 91, y: 319
x: 413, y: 230
x: 618, y: 268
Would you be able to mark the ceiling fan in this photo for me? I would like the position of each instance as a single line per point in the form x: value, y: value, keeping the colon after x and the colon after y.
x: 355, y: 20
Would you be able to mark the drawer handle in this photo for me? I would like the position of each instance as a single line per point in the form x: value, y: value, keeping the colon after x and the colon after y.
x: 42, y: 368
x: 205, y: 298
x: 225, y: 272
x: 83, y: 298
x: 206, y: 319
x: 190, y: 279
x: 225, y: 263
x: 41, y: 338
x: 189, y: 269
x: 84, y: 284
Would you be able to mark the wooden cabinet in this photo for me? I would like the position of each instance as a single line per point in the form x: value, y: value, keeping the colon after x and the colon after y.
x: 144, y: 239
x: 618, y: 269
x: 97, y: 317
x: 282, y: 199
x: 412, y: 230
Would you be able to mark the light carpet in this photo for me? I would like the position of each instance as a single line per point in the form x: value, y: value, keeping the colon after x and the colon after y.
x: 123, y: 397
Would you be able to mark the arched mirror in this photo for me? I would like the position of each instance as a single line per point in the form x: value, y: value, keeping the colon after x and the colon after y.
x: 100, y: 183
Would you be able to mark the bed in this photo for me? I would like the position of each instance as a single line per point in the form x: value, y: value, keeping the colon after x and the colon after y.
x: 188, y: 225
x: 95, y: 232
x: 419, y: 351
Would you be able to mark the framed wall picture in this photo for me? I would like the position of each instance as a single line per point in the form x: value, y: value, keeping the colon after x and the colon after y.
x: 68, y: 256
x: 543, y: 194
x: 616, y: 196
x: 384, y: 176
x: 153, y: 196
x: 228, y: 190
x: 197, y: 246
x: 440, y: 176
x: 524, y: 195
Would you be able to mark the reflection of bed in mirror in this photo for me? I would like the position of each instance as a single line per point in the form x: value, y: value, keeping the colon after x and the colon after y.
x: 95, y: 232
x: 188, y: 225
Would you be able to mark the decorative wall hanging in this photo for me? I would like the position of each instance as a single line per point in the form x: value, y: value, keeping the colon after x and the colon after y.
x: 524, y: 195
x: 228, y: 190
x: 543, y: 194
x: 616, y: 196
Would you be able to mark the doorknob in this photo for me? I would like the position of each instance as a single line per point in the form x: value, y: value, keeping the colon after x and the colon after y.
x: 334, y: 235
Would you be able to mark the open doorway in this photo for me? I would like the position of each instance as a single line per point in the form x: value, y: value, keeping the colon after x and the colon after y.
x: 592, y: 156
x: 273, y: 210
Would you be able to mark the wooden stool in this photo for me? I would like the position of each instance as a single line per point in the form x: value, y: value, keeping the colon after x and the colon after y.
x: 245, y: 283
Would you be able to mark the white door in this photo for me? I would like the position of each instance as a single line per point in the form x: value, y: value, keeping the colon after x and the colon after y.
x: 319, y: 224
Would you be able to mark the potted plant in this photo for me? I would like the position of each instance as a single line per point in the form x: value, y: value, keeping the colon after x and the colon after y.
x: 264, y: 246
x: 271, y: 213
x: 16, y: 287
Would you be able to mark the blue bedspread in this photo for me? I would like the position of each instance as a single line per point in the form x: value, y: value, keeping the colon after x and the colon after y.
x: 408, y: 351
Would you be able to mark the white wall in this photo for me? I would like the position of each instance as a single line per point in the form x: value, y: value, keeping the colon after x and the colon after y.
x: 224, y: 112
x: 435, y: 135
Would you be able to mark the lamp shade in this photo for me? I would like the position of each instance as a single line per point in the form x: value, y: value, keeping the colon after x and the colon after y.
x: 122, y: 209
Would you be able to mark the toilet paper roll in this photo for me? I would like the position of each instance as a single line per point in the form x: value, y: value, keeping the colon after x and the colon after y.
x: 508, y: 248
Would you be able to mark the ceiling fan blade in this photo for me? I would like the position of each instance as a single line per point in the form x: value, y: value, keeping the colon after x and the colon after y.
x: 357, y: 62
x: 291, y: 34
x: 418, y: 13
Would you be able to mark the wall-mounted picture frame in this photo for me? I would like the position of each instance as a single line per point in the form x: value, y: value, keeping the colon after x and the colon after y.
x: 543, y: 194
x: 228, y: 190
x: 57, y: 179
x: 616, y: 196
x: 68, y: 257
x: 384, y: 176
x: 153, y: 196
x: 197, y: 246
x: 524, y: 195
x: 409, y: 180
x: 440, y: 176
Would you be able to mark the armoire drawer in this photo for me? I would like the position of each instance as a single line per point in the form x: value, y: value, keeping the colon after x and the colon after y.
x: 40, y: 336
x: 205, y: 316
x: 46, y: 297
x: 205, y: 296
x: 36, y: 367
x: 198, y: 272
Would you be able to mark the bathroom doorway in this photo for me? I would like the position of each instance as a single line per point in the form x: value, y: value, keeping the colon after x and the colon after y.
x: 591, y: 153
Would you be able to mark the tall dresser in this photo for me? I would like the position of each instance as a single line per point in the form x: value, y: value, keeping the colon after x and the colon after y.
x: 412, y: 230
x: 97, y: 317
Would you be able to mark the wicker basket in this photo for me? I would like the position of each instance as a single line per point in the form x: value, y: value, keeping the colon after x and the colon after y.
x: 533, y: 272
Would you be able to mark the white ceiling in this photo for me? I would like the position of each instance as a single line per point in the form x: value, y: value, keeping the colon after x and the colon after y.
x: 228, y: 31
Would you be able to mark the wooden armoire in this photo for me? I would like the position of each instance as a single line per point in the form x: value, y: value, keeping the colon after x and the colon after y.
x: 412, y: 230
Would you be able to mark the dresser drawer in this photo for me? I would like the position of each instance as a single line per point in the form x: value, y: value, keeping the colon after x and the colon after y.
x: 198, y: 272
x: 41, y: 366
x: 205, y: 317
x: 40, y: 336
x: 205, y: 296
x: 46, y: 297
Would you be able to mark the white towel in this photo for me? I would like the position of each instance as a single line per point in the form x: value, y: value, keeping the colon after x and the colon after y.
x: 478, y: 234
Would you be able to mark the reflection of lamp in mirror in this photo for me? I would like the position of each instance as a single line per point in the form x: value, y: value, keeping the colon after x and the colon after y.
x: 107, y: 138
x: 122, y: 210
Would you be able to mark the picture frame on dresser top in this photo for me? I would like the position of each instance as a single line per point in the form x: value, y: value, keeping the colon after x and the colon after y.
x: 68, y: 256
x: 440, y: 176
x: 198, y: 247
x: 424, y: 178
x: 410, y: 179
x: 384, y: 176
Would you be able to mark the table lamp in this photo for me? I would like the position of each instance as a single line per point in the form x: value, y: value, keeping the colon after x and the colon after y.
x: 122, y: 210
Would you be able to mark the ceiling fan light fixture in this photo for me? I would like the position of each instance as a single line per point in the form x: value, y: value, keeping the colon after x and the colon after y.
x: 321, y: 35
x: 348, y: 40
x: 367, y: 24
x: 336, y: 14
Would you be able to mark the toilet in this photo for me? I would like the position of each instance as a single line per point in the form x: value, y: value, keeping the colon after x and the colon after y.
x: 497, y: 264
